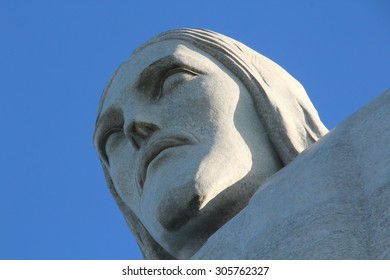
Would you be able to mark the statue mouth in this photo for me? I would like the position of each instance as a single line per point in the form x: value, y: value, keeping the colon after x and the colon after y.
x: 158, y: 143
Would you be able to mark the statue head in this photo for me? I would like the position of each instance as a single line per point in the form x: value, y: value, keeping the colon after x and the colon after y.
x: 189, y: 128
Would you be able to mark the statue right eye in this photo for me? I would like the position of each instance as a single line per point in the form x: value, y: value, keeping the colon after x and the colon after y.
x: 175, y: 78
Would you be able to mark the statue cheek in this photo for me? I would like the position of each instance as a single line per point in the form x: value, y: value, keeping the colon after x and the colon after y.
x: 122, y: 172
x: 202, y: 105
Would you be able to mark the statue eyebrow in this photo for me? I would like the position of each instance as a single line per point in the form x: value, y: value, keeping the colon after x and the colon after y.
x: 151, y: 78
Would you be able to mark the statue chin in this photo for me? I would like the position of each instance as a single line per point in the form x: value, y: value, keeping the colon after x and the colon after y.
x: 178, y: 208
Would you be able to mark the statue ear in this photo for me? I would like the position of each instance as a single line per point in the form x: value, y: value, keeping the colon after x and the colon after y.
x: 150, y: 249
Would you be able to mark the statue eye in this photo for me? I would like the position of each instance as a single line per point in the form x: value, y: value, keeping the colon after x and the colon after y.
x: 111, y: 142
x: 175, y: 78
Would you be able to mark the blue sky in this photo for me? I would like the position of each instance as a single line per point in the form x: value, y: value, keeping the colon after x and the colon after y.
x: 56, y: 56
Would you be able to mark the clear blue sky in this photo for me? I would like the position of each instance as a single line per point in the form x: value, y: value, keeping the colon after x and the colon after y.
x: 56, y: 56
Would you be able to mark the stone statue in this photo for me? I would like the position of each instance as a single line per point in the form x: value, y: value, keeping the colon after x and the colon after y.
x: 207, y: 148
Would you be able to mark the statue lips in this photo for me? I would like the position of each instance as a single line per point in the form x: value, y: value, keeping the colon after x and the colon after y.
x: 159, y: 142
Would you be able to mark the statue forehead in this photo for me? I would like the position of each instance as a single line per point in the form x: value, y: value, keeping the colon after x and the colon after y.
x: 125, y: 77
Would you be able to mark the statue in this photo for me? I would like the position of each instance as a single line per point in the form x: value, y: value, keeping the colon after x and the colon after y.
x: 207, y: 147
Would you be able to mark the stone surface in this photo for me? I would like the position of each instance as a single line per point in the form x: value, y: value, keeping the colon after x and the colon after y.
x: 331, y: 202
x: 195, y: 125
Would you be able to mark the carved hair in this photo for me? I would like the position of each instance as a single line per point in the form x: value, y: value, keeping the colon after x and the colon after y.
x: 289, y: 117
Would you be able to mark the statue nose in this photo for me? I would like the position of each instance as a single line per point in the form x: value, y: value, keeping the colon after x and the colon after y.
x: 139, y: 132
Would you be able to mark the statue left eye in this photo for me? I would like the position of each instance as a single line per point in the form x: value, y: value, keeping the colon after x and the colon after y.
x: 175, y: 78
x: 111, y: 142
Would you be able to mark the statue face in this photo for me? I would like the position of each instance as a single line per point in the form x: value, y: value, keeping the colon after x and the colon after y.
x: 182, y: 142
